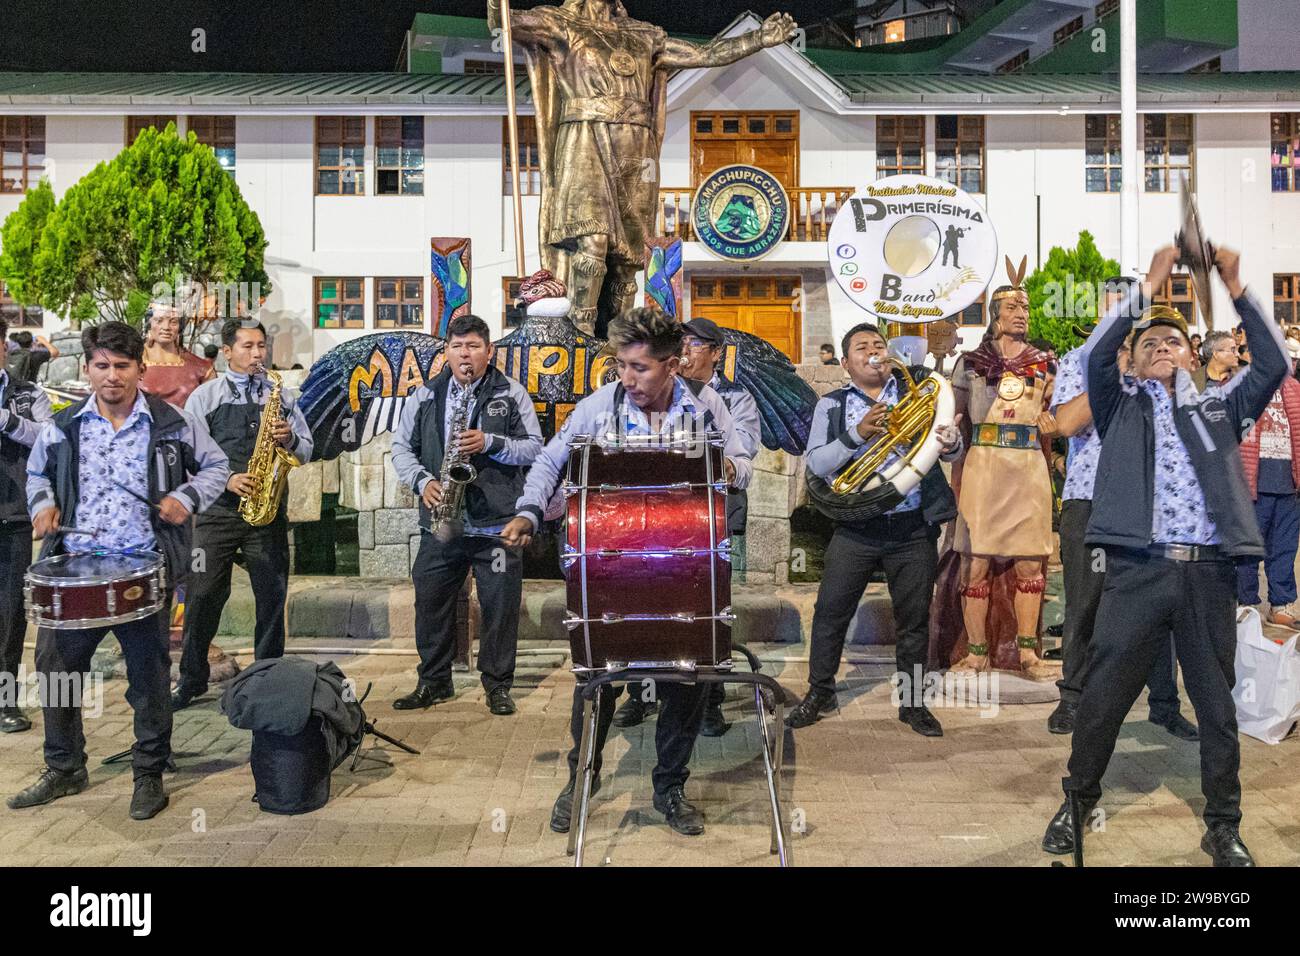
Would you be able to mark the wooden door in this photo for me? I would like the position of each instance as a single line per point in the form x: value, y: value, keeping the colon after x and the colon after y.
x: 761, y: 305
x: 767, y: 140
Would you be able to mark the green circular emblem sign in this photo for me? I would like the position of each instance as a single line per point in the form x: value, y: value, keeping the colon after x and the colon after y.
x: 740, y: 213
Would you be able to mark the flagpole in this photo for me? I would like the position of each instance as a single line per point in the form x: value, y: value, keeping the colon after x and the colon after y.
x: 512, y: 122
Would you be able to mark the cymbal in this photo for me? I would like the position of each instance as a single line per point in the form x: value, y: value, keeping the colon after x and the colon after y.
x: 1196, y: 253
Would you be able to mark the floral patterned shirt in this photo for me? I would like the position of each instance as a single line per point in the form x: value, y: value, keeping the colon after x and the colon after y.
x: 107, y: 457
x: 1085, y: 444
x: 1179, y: 515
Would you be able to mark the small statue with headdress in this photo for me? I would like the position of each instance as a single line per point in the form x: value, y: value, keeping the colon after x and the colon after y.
x: 1004, y: 528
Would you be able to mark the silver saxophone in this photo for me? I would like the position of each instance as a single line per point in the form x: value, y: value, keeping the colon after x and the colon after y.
x: 447, y: 517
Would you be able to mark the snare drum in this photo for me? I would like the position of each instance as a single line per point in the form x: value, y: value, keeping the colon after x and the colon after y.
x: 95, y: 589
x: 646, y: 556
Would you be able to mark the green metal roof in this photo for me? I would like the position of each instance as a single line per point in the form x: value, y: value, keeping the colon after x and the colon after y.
x: 251, y: 89
x: 148, y: 91
x: 1075, y: 89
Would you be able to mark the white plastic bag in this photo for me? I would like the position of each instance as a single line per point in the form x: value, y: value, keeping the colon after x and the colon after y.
x: 1268, y: 681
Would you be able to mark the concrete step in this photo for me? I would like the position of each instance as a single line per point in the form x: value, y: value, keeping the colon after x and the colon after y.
x: 370, y: 609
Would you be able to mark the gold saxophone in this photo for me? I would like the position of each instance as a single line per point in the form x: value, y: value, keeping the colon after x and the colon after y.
x: 269, y: 464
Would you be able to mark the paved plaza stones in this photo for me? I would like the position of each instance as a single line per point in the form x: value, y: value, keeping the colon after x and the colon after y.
x: 860, y: 788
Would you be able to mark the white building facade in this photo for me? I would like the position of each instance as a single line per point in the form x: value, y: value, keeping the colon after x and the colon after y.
x: 1032, y: 160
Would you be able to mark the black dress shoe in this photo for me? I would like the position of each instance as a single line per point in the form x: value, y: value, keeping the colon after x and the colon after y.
x: 51, y: 785
x: 149, y: 798
x: 634, y: 710
x: 714, y: 725
x: 681, y: 815
x: 1180, y: 727
x: 182, y: 697
x: 1062, y: 719
x: 921, y: 720
x: 562, y: 812
x: 1059, y: 837
x: 13, y: 721
x: 426, y: 695
x: 499, y: 702
x: 812, y: 709
x: 1223, y: 843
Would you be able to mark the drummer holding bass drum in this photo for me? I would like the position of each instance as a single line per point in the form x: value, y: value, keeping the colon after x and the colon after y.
x: 649, y: 398
x: 120, y: 471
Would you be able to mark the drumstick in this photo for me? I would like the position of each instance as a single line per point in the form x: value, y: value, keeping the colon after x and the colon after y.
x: 136, y: 495
x: 64, y: 529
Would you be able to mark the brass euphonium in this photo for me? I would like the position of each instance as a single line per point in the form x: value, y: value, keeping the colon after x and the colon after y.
x: 269, y: 465
x: 872, y: 484
x: 906, y: 424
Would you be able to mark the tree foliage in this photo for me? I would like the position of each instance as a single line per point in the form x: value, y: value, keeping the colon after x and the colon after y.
x: 163, y: 211
x: 1065, y: 292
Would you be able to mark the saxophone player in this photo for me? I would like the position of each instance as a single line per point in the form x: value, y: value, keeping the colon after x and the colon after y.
x: 233, y: 407
x: 471, y: 414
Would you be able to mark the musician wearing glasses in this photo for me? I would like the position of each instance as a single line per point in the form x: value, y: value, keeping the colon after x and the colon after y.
x: 701, y: 354
x: 127, y: 471
x: 1172, y: 510
x: 649, y: 398
x: 902, y: 542
x: 233, y: 406
x: 470, y: 415
x: 24, y: 408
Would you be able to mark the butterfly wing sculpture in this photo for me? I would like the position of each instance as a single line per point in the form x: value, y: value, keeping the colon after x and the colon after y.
x: 357, y: 389
x: 785, y: 401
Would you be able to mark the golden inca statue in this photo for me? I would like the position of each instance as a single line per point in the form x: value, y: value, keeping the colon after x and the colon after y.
x: 599, y: 84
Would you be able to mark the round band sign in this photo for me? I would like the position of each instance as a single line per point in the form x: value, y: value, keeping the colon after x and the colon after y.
x: 740, y: 213
x: 912, y: 249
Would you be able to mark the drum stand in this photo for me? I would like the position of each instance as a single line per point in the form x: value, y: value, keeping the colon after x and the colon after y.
x: 768, y: 694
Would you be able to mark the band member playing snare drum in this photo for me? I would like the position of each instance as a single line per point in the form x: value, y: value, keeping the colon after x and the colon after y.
x: 649, y: 398
x: 23, y: 409
x: 130, y: 470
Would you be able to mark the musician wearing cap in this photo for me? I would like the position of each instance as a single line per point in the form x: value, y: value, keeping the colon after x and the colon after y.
x: 902, y: 541
x: 701, y: 355
x: 234, y: 407
x: 462, y: 445
x: 1005, y: 505
x: 24, y: 408
x: 650, y: 399
x: 126, y: 470
x: 1082, y: 574
x: 1172, y: 510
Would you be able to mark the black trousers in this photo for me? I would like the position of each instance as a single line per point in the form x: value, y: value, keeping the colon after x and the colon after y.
x: 217, y: 537
x: 63, y: 656
x: 1084, y: 575
x: 681, y: 711
x: 1145, y: 597
x: 438, y: 574
x: 904, y: 546
x: 15, y: 558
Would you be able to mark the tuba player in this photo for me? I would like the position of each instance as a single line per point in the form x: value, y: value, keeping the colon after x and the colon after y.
x: 902, y: 541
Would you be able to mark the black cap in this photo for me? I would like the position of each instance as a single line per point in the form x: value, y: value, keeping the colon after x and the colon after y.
x: 706, y: 330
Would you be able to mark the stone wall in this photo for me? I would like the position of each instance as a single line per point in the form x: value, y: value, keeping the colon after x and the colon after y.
x: 388, y: 529
x: 388, y: 517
